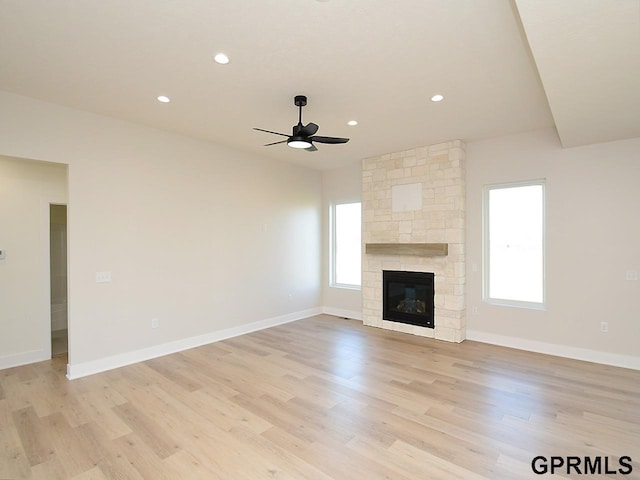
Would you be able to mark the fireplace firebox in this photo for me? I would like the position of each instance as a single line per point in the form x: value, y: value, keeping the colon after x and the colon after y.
x: 407, y: 297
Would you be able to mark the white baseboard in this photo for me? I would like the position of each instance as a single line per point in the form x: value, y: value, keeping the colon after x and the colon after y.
x: 606, y: 358
x: 23, y: 358
x: 339, y: 312
x: 103, y: 364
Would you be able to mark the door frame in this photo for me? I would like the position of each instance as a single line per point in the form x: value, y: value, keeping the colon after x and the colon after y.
x: 47, y: 256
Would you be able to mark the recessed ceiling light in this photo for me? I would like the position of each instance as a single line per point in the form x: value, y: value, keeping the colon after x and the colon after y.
x: 221, y: 58
x: 437, y: 98
x: 164, y: 99
x: 353, y: 123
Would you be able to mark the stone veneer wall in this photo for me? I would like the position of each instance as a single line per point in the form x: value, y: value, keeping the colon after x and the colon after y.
x: 440, y: 171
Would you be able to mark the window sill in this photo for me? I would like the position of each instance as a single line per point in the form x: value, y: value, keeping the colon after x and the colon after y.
x: 343, y: 286
x: 516, y: 304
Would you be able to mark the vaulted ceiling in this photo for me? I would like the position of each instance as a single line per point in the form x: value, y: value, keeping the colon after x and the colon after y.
x: 503, y: 66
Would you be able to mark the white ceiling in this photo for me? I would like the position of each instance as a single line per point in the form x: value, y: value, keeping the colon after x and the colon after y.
x: 375, y: 61
x: 588, y: 56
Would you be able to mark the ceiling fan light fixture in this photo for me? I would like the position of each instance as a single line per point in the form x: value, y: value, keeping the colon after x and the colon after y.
x: 299, y: 142
x: 303, y: 135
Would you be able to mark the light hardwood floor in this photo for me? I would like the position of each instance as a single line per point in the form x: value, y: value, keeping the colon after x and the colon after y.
x: 322, y: 398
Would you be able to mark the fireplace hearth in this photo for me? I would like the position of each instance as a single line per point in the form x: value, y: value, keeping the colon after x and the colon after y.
x: 407, y: 297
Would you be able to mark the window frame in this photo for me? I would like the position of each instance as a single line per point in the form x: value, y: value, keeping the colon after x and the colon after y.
x: 332, y: 247
x: 486, y: 274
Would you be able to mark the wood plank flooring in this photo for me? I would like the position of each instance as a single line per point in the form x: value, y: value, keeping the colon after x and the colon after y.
x: 322, y: 398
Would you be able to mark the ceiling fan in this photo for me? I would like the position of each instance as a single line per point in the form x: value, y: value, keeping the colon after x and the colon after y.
x: 303, y: 136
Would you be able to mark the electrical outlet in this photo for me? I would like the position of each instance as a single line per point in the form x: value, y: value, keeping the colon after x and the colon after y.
x: 631, y: 275
x: 103, y: 277
x: 474, y: 311
x: 154, y: 323
x: 604, y: 327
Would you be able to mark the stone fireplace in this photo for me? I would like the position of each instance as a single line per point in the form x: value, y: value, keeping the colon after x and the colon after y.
x: 413, y: 218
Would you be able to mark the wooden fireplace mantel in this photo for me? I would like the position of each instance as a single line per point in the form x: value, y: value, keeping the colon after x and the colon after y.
x: 412, y: 249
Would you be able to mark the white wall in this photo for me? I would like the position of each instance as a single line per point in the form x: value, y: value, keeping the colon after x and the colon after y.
x: 340, y: 185
x: 201, y: 237
x: 593, y: 238
x: 26, y: 190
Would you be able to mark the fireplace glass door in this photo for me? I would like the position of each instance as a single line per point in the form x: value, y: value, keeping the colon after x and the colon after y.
x: 408, y: 297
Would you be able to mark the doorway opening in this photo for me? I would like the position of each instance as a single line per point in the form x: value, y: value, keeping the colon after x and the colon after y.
x: 58, y: 273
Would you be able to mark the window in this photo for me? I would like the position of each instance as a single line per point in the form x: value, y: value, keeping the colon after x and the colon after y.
x: 514, y: 244
x: 345, y: 245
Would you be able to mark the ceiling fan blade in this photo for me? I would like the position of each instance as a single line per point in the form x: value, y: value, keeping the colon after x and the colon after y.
x: 275, y: 143
x: 308, y: 130
x: 269, y: 131
x: 329, y: 139
x: 312, y: 148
